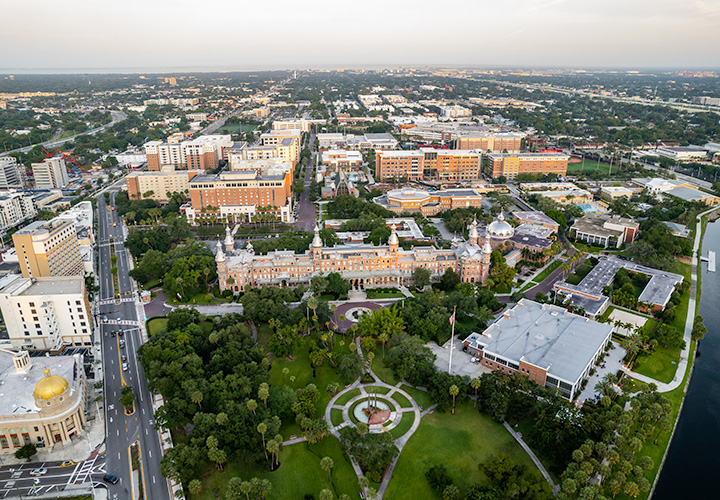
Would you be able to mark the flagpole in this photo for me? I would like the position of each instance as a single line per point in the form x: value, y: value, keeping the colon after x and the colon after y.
x: 452, y: 340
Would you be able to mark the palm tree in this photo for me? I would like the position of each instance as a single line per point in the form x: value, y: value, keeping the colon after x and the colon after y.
x: 197, y: 398
x: 285, y: 371
x: 246, y: 487
x: 273, y: 447
x: 326, y: 463
x: 454, y: 391
x: 475, y: 384
x: 179, y: 281
x: 262, y: 429
x: 383, y: 338
x: 206, y: 272
x: 264, y: 392
x: 251, y: 405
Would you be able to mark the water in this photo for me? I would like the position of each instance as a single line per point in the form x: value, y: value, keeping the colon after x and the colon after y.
x: 691, y: 467
x: 360, y: 414
x: 586, y: 207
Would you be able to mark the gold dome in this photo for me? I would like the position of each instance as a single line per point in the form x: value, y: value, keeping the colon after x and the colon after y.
x: 50, y: 386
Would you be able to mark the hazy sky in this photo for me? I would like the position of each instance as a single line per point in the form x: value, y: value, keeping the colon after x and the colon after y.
x: 295, y: 34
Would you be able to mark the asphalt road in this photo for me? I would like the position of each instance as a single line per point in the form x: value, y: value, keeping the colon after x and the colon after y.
x: 117, y: 116
x: 16, y: 480
x: 306, y: 218
x: 123, y: 430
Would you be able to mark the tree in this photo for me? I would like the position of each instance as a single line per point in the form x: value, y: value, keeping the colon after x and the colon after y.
x: 127, y: 398
x: 251, y: 405
x: 454, y: 392
x: 450, y: 280
x: 273, y: 447
x: 326, y: 463
x: 451, y: 492
x: 262, y: 429
x: 336, y: 285
x: 264, y: 392
x: 421, y: 277
x: 475, y: 384
x: 195, y: 486
x: 699, y: 329
x: 326, y: 494
x: 26, y: 451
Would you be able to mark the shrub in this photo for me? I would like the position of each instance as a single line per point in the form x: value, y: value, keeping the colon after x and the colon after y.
x: 438, y: 477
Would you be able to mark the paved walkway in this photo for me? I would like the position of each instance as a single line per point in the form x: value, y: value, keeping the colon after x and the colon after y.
x: 689, y: 320
x: 536, y: 461
x: 400, y: 442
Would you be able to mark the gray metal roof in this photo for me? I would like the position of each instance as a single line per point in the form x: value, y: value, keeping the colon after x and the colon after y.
x: 546, y: 336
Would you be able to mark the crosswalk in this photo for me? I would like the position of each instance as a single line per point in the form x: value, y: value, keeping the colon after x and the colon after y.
x: 119, y: 322
x: 106, y: 302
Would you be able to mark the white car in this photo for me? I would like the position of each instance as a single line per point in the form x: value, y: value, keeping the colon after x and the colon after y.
x: 125, y: 367
x: 38, y: 472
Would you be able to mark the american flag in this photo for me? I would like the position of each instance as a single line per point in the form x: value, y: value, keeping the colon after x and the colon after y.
x: 452, y: 318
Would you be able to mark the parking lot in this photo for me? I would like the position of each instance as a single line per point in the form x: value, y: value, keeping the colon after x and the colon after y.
x: 461, y: 363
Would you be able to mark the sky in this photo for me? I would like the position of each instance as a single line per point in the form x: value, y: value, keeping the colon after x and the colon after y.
x: 224, y: 34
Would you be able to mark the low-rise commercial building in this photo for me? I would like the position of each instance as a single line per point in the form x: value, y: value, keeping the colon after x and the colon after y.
x: 552, y: 347
x: 342, y: 158
x: 44, y: 400
x: 605, y: 230
x: 46, y: 313
x: 49, y: 248
x: 683, y: 153
x: 301, y: 124
x: 159, y: 185
x: 510, y: 165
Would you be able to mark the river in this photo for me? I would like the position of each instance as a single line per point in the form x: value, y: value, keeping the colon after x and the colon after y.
x: 692, y: 463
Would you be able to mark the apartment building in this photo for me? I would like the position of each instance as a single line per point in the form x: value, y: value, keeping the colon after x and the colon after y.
x: 50, y: 173
x: 342, y: 158
x: 49, y: 248
x: 157, y: 185
x: 428, y: 164
x: 510, y: 142
x: 289, y: 139
x: 46, y: 313
x: 12, y: 174
x: 239, y: 195
x: 453, y: 112
x: 510, y: 165
x: 196, y: 154
x: 15, y: 207
x: 301, y: 124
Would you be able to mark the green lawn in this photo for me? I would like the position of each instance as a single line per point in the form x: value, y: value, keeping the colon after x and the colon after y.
x: 299, y: 473
x: 460, y: 442
x: 588, y: 166
x: 407, y: 420
x: 421, y: 397
x: 336, y: 416
x: 379, y: 390
x: 156, y: 325
x: 383, y: 372
x: 540, y: 277
x: 264, y: 334
x: 347, y: 397
x: 383, y: 293
x: 401, y: 400
x: 236, y: 128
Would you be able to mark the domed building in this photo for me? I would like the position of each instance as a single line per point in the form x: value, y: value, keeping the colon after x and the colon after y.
x: 42, y: 399
x: 499, y: 229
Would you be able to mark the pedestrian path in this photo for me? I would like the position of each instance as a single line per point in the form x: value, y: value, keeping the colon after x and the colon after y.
x: 119, y: 322
x: 106, y: 302
x: 536, y: 461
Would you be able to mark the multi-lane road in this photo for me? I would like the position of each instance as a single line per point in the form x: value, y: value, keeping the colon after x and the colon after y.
x: 118, y: 311
x: 117, y: 116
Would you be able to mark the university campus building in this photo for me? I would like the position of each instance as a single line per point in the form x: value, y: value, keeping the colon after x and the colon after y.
x: 510, y: 165
x: 428, y: 164
x: 364, y: 265
x: 548, y: 344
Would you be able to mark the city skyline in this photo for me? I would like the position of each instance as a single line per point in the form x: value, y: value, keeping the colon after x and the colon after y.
x: 184, y: 35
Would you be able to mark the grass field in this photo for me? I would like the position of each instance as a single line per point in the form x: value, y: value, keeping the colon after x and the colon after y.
x: 421, y: 397
x: 236, y: 128
x: 299, y: 473
x: 660, y: 365
x: 336, y: 416
x: 460, y: 442
x: 347, y: 397
x: 588, y: 166
x: 383, y: 293
x: 156, y: 325
x: 407, y: 420
x: 401, y: 400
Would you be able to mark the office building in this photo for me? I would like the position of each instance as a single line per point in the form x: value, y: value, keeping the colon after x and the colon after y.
x: 510, y: 165
x: 51, y: 173
x: 552, y: 347
x: 44, y: 400
x: 454, y: 112
x: 301, y: 124
x: 49, y: 248
x: 683, y: 153
x: 46, y: 313
x: 428, y: 164
x: 159, y: 185
x: 342, y: 158
x: 12, y: 174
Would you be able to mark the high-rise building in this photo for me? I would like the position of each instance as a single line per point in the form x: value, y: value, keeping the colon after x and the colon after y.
x: 157, y: 185
x: 51, y: 173
x: 11, y: 173
x: 49, y: 248
x: 239, y: 194
x: 510, y: 165
x: 496, y: 142
x: 286, y: 138
x: 428, y: 164
x: 15, y: 207
x: 46, y: 313
x: 196, y: 154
